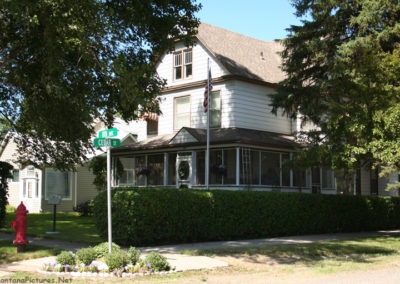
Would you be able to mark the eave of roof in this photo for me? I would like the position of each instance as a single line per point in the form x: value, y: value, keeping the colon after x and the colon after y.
x: 217, y: 136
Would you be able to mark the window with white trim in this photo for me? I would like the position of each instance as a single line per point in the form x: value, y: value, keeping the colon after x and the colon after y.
x: 181, y: 112
x: 183, y: 66
x: 215, y: 115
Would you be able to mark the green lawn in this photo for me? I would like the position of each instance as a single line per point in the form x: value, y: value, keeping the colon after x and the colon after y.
x: 327, y: 257
x: 71, y: 227
x: 8, y: 252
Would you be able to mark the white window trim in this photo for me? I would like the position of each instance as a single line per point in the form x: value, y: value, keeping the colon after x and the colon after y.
x: 182, y: 65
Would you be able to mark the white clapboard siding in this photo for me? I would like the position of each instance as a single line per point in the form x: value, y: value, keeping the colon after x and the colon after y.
x: 9, y: 153
x: 249, y: 108
x: 85, y: 187
x: 199, y: 60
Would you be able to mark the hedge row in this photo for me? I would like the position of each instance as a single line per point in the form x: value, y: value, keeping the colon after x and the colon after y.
x: 159, y: 216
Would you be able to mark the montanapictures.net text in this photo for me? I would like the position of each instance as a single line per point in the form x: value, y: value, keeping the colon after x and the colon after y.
x: 36, y: 280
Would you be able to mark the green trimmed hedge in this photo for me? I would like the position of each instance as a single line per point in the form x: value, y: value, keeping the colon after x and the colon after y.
x: 159, y: 216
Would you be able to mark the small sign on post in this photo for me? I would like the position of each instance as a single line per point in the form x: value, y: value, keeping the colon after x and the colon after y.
x: 54, y: 200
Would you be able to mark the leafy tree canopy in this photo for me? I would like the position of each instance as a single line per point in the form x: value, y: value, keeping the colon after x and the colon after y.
x: 65, y: 63
x: 343, y: 77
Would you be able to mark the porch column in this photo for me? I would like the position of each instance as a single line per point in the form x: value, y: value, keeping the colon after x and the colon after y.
x: 237, y: 165
x: 165, y: 181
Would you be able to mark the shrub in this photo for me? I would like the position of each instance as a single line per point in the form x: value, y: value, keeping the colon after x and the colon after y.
x: 66, y: 258
x: 86, y: 255
x: 117, y: 260
x: 158, y: 216
x: 5, y: 173
x: 134, y: 255
x: 85, y: 208
x: 155, y: 262
x: 102, y: 249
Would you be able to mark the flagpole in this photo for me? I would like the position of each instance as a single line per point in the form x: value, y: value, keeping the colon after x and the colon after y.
x: 208, y: 126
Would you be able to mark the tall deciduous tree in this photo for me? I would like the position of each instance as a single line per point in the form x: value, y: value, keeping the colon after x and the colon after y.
x: 65, y: 63
x: 343, y: 75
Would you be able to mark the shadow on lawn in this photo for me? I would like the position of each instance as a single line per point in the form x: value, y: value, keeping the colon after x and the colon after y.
x: 308, y: 254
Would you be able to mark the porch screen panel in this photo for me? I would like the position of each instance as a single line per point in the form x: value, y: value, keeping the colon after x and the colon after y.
x: 327, y: 176
x: 299, y: 178
x: 125, y: 168
x: 200, y: 165
x: 216, y: 167
x: 285, y: 170
x: 57, y: 183
x: 255, y: 167
x: 270, y: 168
x: 155, y: 164
x: 230, y: 165
x: 172, y: 169
x: 140, y: 170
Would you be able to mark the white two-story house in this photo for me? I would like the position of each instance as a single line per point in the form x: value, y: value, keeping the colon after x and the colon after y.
x: 248, y: 144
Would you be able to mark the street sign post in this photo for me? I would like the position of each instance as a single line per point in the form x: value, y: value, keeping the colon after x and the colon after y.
x: 105, y: 139
x: 108, y: 133
x: 106, y: 142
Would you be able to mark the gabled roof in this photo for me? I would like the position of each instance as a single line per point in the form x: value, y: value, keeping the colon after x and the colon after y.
x: 242, y: 55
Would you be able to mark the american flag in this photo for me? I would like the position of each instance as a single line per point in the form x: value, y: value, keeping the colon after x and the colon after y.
x: 207, y: 90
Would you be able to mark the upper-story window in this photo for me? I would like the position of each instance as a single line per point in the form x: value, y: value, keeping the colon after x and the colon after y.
x: 152, y: 128
x: 215, y: 115
x: 181, y: 112
x: 183, y: 64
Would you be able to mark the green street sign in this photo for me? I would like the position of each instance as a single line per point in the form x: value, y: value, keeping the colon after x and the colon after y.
x: 111, y: 132
x: 106, y: 142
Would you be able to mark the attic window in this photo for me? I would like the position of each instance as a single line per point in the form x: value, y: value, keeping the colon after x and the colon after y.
x: 183, y: 64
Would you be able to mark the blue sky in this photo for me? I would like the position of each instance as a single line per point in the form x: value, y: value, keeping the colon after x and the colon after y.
x: 262, y: 19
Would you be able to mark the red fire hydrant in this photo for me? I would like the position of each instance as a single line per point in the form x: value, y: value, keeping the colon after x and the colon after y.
x: 19, y: 224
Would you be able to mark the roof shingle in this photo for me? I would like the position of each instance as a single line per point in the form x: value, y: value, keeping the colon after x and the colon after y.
x: 242, y: 55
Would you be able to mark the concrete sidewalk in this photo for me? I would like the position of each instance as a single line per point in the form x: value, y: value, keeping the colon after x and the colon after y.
x: 180, y: 261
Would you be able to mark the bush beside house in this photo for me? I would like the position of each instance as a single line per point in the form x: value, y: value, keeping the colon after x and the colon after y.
x: 157, y: 216
x: 5, y: 173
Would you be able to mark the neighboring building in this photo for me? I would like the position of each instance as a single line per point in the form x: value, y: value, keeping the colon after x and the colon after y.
x: 34, y: 186
x: 249, y: 145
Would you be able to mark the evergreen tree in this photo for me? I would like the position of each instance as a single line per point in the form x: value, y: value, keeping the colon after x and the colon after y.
x: 343, y: 77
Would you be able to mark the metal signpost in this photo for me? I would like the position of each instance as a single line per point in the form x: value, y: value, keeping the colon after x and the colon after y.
x: 105, y: 140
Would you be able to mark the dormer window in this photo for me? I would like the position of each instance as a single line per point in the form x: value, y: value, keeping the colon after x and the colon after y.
x: 183, y: 64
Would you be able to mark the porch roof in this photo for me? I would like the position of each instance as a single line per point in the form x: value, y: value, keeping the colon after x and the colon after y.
x: 195, y: 137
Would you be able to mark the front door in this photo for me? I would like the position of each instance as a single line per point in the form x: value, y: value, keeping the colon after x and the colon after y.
x: 184, y: 170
